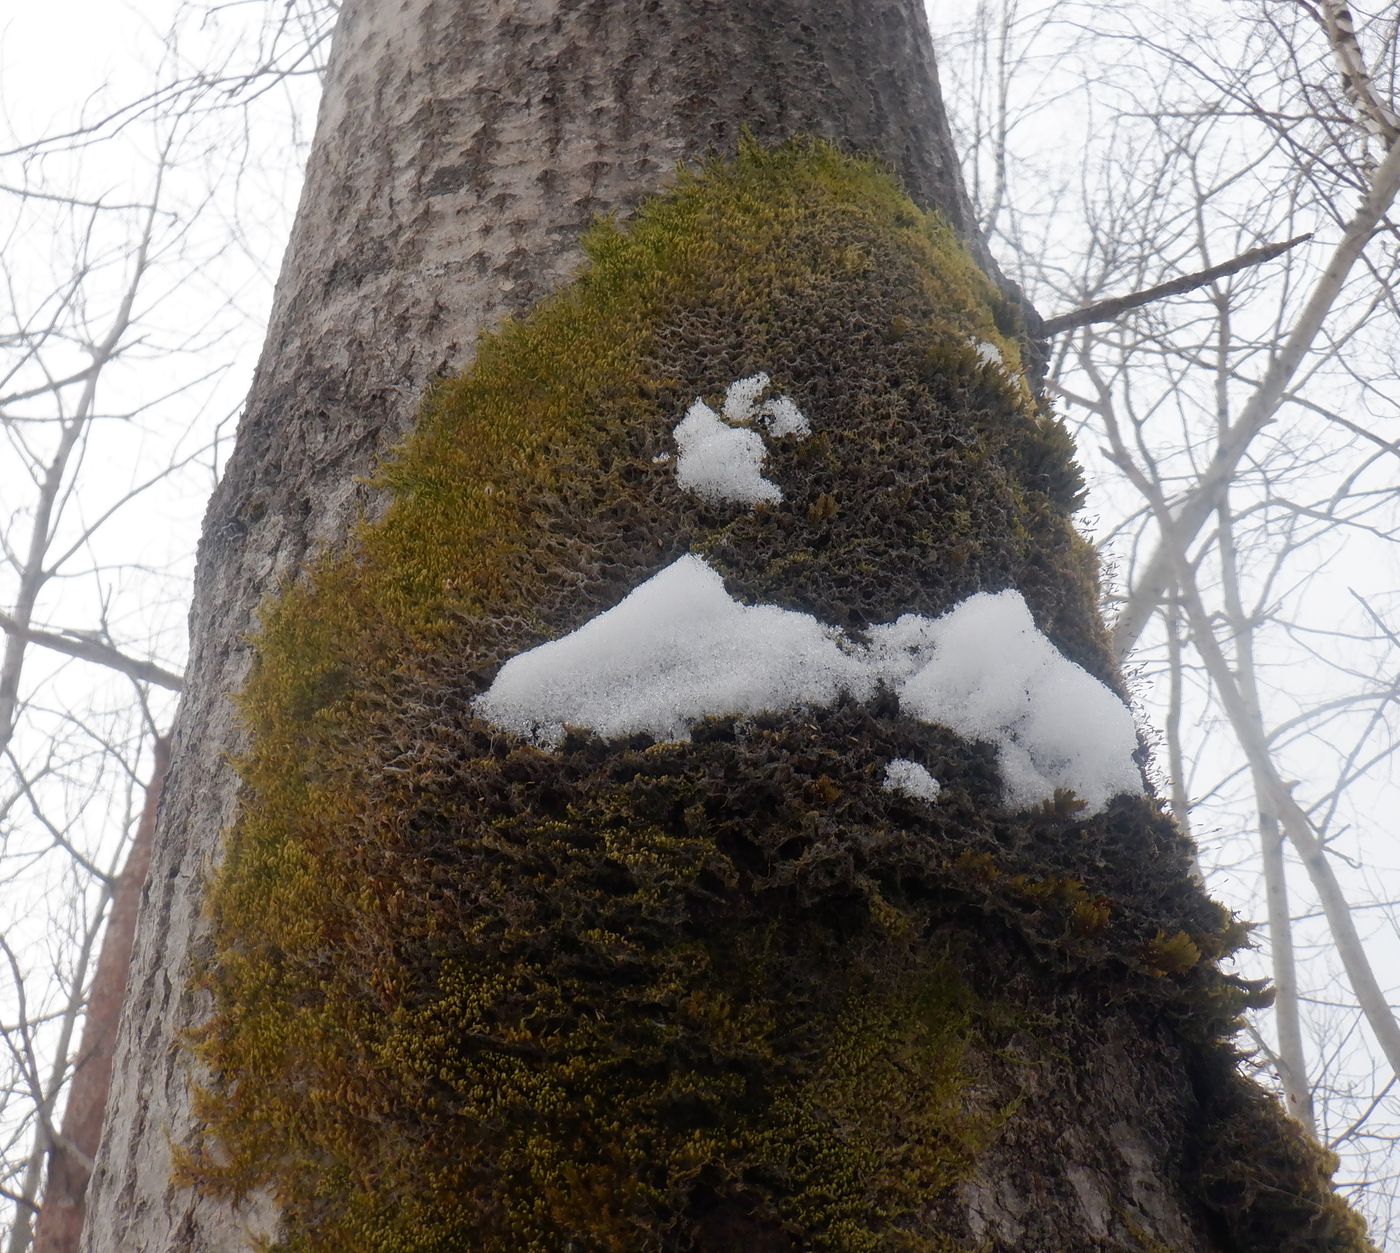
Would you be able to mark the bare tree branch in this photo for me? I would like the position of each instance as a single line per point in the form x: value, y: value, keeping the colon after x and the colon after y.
x: 86, y: 649
x: 1189, y: 517
x: 1114, y: 308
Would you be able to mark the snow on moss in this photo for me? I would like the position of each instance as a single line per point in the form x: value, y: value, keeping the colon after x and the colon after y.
x: 908, y: 778
x: 742, y: 396
x: 988, y: 353
x: 721, y: 462
x: 721, y: 457
x: 781, y: 416
x: 679, y: 648
x: 984, y: 670
x: 674, y: 651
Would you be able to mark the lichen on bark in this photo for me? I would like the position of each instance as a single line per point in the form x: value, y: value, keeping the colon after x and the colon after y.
x: 471, y: 994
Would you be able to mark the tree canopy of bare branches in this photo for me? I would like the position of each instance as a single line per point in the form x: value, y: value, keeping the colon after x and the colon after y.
x: 1242, y: 438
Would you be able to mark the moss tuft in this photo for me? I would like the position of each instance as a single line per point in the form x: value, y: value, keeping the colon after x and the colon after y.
x: 1245, y: 1152
x: 472, y: 995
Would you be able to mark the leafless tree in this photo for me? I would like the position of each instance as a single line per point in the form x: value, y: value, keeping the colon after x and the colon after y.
x: 1241, y: 536
x: 1248, y: 444
x: 338, y: 386
x: 115, y: 371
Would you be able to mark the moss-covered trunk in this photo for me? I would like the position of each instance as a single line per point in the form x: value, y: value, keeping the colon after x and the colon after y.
x: 407, y: 981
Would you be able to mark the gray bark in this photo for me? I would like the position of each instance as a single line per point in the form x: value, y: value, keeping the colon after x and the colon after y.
x: 460, y: 150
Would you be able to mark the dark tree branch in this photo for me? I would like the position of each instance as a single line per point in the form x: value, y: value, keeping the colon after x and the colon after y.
x: 1115, y: 307
x: 97, y: 652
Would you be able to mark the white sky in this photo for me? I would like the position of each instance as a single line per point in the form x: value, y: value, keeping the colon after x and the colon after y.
x: 53, y: 54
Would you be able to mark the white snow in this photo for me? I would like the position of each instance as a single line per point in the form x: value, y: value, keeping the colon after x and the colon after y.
x: 782, y: 417
x: 910, y: 779
x: 984, y: 670
x: 721, y: 462
x: 676, y: 650
x: 741, y: 398
x: 722, y: 458
x: 988, y: 352
x: 679, y: 648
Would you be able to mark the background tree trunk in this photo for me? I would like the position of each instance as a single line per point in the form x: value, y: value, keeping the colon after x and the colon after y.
x: 460, y: 150
x: 60, y: 1223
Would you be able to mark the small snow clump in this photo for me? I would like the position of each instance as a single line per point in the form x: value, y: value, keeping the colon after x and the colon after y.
x: 721, y: 458
x: 781, y: 416
x: 988, y: 352
x: 741, y: 397
x: 721, y: 462
x: 908, y: 778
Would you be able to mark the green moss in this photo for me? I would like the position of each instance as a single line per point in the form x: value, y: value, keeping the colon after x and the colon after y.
x: 472, y: 995
x: 1247, y: 1149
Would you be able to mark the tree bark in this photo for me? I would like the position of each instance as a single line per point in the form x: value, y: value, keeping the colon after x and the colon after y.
x: 60, y: 1221
x: 460, y: 151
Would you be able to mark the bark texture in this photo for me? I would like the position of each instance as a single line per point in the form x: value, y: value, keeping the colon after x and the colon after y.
x: 460, y: 150
x: 60, y: 1222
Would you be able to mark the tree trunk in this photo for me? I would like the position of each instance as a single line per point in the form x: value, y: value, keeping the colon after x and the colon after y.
x: 60, y: 1222
x: 1086, y: 1100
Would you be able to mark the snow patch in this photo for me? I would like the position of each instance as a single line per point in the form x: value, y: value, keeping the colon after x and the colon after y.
x: 679, y: 649
x: 988, y: 352
x: 908, y: 778
x: 676, y: 650
x: 721, y: 458
x: 984, y: 670
x: 741, y: 397
x: 781, y: 416
x: 722, y: 462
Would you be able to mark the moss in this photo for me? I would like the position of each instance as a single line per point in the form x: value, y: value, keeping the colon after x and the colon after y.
x: 472, y: 995
x: 1247, y: 1149
x: 1170, y: 954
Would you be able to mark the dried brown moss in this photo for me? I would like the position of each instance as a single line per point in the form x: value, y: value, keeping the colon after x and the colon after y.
x: 473, y: 995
